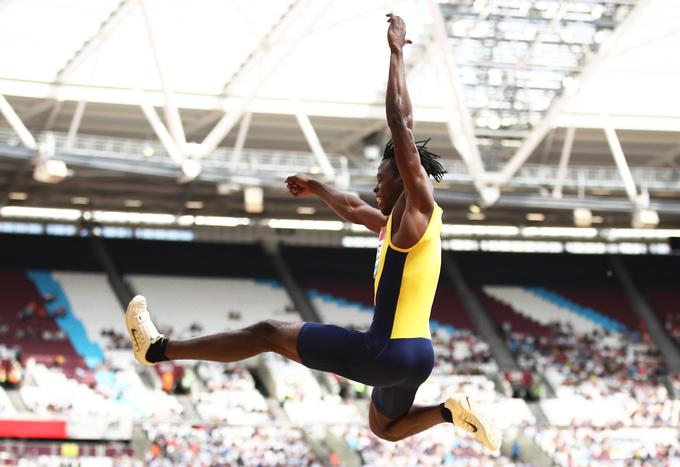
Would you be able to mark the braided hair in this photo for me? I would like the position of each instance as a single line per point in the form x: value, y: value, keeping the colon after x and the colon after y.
x: 427, y: 159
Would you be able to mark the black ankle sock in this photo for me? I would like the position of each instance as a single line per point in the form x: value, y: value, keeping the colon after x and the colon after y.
x: 156, y: 352
x: 446, y: 413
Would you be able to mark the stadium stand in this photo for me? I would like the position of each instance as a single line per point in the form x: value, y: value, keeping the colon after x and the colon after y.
x: 606, y: 380
x: 94, y: 303
x: 268, y: 445
x: 213, y: 303
x: 438, y: 446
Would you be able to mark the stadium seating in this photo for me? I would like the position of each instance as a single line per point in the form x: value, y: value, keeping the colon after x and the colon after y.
x: 33, y: 329
x: 609, y: 301
x: 539, y: 308
x: 216, y: 304
x: 586, y: 446
x: 6, y: 407
x: 441, y: 445
x: 229, y: 395
x: 608, y: 380
x: 93, y: 302
x: 267, y: 445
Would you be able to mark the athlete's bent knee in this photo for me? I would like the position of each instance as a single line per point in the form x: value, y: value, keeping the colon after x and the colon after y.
x: 267, y: 333
x: 386, y: 435
x: 383, y: 432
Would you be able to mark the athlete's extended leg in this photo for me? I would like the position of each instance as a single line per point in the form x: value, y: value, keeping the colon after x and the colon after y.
x: 231, y: 346
x: 149, y: 346
x: 419, y: 418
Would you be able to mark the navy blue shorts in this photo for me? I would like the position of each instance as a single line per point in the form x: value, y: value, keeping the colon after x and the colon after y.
x: 395, y: 367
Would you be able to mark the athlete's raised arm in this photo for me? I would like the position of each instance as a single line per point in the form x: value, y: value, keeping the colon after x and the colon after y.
x: 400, y: 120
x: 346, y: 205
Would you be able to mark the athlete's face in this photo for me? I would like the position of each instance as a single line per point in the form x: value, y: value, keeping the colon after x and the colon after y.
x: 389, y: 186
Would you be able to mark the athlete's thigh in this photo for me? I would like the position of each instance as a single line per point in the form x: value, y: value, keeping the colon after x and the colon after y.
x: 327, y: 347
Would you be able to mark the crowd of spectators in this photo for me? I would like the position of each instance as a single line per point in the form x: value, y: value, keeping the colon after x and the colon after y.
x: 460, y: 351
x: 594, y: 365
x: 53, y: 460
x: 228, y: 394
x: 586, y: 446
x: 263, y: 446
x: 114, y: 340
x: 441, y: 445
x: 672, y: 324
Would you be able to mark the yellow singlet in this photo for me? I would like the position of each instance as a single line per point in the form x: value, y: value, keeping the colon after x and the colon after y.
x: 406, y: 281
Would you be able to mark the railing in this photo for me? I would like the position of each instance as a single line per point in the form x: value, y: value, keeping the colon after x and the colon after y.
x: 264, y: 163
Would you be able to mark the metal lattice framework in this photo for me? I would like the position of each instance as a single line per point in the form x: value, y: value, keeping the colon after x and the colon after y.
x: 249, y: 92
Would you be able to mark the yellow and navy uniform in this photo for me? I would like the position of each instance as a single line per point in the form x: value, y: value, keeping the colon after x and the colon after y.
x: 406, y: 280
x: 395, y: 355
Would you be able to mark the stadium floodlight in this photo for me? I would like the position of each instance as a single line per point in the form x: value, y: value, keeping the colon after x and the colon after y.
x: 615, y: 234
x: 586, y: 248
x: 194, y: 205
x: 40, y: 213
x: 480, y: 230
x: 645, y: 219
x: 458, y: 244
x: 18, y: 196
x: 191, y: 168
x: 253, y: 199
x: 305, y: 210
x: 583, y: 217
x: 185, y: 220
x: 350, y: 241
x: 82, y: 200
x: 133, y: 203
x: 133, y: 217
x: 489, y: 195
x: 298, y: 224
x: 478, y: 216
x: 575, y: 232
x: 521, y: 246
x: 535, y: 217
x: 50, y: 171
x: 221, y: 221
x: 227, y: 188
x: 47, y: 169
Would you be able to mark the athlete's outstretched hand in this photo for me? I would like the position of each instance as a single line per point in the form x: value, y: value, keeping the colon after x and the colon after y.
x: 298, y: 185
x: 396, y: 33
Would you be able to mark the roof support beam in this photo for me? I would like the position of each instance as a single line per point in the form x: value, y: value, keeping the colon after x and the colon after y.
x: 240, y: 140
x: 17, y: 125
x: 91, y: 44
x: 539, y: 132
x: 38, y: 109
x: 313, y: 141
x: 621, y: 163
x: 257, y: 55
x: 358, y: 136
x: 228, y: 120
x: 564, y: 162
x: 459, y: 124
x: 172, y: 116
x: 160, y: 130
x: 75, y: 123
x: 53, y: 115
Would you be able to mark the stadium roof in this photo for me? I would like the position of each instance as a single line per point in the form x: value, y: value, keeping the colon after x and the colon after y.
x: 495, y: 83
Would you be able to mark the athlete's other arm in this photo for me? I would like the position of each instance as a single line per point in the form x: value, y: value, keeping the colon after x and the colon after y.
x: 346, y: 205
x: 400, y: 120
